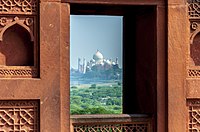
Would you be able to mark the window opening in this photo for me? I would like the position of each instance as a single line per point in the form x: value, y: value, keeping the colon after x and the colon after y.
x: 96, y: 64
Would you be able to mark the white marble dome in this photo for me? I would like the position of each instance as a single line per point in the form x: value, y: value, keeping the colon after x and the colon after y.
x: 98, y: 56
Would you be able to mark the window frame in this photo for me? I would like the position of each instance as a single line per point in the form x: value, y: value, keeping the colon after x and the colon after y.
x: 160, y: 33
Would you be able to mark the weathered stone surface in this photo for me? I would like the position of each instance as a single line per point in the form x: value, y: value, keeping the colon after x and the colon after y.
x: 54, y: 64
x: 177, y: 47
x: 192, y: 86
x: 47, y: 88
x: 64, y: 68
x: 50, y: 87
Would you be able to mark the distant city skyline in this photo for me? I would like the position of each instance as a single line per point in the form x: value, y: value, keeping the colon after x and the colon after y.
x: 89, y: 33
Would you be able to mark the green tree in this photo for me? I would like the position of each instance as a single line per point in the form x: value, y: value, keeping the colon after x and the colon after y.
x: 93, y: 86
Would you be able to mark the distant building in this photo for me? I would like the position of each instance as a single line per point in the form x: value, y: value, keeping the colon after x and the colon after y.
x: 98, y: 63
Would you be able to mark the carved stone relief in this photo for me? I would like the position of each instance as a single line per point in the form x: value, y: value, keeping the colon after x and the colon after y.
x: 194, y: 9
x: 19, y: 116
x: 112, y: 128
x: 193, y: 65
x: 19, y: 38
x: 194, y: 115
x: 24, y: 21
x: 18, y: 6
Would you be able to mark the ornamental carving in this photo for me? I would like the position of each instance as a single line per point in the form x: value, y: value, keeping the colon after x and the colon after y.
x: 19, y: 116
x: 193, y: 61
x: 194, y: 8
x: 18, y: 6
x: 18, y: 73
x: 28, y: 25
x: 24, y: 22
x: 194, y: 115
x: 193, y: 73
x: 19, y: 39
x: 112, y: 128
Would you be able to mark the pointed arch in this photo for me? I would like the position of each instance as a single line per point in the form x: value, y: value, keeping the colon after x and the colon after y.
x: 17, y: 48
x: 20, y: 24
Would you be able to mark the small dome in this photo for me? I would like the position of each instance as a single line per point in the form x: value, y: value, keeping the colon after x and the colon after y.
x: 108, y: 62
x: 113, y: 63
x: 98, y: 56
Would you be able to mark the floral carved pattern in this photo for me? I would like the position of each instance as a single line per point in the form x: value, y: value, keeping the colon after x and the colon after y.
x: 18, y: 6
x: 19, y: 116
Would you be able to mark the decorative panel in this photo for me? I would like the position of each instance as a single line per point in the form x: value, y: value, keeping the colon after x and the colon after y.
x: 193, y: 9
x: 194, y: 115
x: 19, y: 116
x: 111, y: 123
x: 193, y: 64
x: 18, y: 6
x: 113, y: 128
x: 19, y: 39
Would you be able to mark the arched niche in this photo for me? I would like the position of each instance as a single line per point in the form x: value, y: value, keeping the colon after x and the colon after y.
x: 195, y: 50
x: 16, y: 49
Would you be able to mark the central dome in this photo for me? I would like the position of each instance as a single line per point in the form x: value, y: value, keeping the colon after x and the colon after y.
x: 98, y: 56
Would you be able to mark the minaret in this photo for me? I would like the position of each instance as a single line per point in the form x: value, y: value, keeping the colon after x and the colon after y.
x: 117, y: 61
x: 79, y: 65
x: 84, y: 65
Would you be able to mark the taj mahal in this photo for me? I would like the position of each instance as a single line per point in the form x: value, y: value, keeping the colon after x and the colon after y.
x: 97, y: 63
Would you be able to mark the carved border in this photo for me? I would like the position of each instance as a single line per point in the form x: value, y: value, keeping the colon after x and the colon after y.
x: 112, y: 128
x: 19, y: 6
x: 23, y: 72
x: 193, y: 73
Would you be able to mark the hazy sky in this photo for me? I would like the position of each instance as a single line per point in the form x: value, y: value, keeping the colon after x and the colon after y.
x: 89, y: 33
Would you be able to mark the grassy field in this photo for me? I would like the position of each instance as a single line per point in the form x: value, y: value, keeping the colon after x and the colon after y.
x: 104, y: 98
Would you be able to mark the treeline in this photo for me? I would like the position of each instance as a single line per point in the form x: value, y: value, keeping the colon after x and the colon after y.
x: 112, y: 73
x: 96, y: 99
